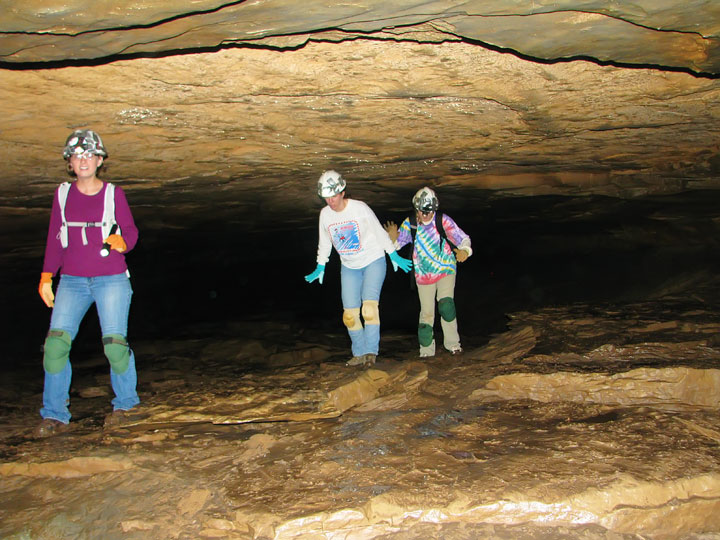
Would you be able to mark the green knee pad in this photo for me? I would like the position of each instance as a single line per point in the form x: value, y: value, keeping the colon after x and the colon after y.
x: 117, y: 352
x: 446, y: 307
x: 425, y: 334
x: 56, y: 351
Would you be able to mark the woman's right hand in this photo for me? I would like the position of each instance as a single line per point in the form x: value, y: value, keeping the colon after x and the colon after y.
x: 116, y: 242
x: 45, y: 289
x: 318, y: 274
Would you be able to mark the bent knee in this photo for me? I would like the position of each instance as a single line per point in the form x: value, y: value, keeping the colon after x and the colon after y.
x: 56, y: 351
x: 117, y: 351
x: 371, y: 312
x: 351, y: 319
x: 446, y: 308
x: 425, y: 334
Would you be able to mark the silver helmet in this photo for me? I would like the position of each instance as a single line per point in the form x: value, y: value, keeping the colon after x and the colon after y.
x: 425, y: 200
x: 330, y: 184
x: 84, y: 140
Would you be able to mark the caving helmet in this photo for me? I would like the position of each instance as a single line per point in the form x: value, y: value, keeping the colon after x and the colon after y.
x: 425, y: 200
x: 330, y: 184
x: 84, y: 140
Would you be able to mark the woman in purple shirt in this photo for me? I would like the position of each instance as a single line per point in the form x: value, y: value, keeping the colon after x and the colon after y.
x: 86, y: 245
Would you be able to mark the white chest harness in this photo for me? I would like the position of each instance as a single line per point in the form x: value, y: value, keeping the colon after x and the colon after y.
x: 108, y: 218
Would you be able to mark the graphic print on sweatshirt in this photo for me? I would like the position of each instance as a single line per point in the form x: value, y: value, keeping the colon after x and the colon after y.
x: 346, y: 237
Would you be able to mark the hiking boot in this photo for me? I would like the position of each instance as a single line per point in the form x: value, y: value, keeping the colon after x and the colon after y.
x: 365, y: 359
x: 49, y: 427
x: 120, y: 417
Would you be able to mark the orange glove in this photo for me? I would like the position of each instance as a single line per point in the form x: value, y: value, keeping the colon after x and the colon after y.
x: 45, y: 289
x: 461, y: 255
x: 116, y: 242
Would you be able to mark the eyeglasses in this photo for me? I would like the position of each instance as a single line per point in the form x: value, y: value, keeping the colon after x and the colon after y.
x: 87, y: 154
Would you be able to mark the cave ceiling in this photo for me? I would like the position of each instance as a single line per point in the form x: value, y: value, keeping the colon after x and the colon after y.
x: 218, y: 103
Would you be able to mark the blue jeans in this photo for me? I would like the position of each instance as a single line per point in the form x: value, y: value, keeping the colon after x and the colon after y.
x: 75, y: 295
x: 358, y: 286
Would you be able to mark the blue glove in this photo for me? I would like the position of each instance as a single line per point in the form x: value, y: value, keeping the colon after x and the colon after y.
x: 396, y: 260
x: 318, y: 273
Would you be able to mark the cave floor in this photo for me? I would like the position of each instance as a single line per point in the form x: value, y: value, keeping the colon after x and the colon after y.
x: 579, y: 421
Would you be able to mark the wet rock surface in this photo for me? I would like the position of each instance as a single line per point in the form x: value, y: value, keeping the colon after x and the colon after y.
x: 577, y: 421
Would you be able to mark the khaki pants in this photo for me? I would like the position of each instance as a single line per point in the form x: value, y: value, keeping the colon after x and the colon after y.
x: 429, y: 294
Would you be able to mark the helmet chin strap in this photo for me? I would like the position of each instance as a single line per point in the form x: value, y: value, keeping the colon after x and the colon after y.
x: 425, y: 220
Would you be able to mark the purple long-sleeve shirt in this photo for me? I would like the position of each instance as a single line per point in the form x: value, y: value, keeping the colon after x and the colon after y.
x: 85, y: 260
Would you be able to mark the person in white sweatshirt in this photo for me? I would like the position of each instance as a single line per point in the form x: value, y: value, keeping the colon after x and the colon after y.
x: 351, y: 227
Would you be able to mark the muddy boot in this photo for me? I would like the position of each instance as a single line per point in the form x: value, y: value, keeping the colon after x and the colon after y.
x: 120, y: 417
x: 49, y: 427
x: 364, y: 360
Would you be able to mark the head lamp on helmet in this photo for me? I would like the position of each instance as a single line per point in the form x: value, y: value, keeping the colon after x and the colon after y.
x: 330, y: 184
x: 84, y: 141
x: 425, y: 201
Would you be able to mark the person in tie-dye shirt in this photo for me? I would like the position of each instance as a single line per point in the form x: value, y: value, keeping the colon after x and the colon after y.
x: 434, y: 260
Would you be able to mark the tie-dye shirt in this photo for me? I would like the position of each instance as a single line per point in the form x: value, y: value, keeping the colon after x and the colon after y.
x: 431, y: 262
x: 355, y: 233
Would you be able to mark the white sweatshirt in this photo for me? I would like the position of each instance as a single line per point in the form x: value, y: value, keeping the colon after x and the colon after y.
x: 355, y: 233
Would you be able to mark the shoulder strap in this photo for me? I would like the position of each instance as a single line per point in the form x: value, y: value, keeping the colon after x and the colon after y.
x: 412, y: 221
x: 62, y: 191
x: 441, y: 229
x: 108, y: 219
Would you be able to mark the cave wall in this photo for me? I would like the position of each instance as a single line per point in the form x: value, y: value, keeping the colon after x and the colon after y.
x: 539, y: 97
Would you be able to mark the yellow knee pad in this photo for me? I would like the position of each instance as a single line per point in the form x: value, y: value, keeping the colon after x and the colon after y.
x: 371, y: 312
x: 351, y: 319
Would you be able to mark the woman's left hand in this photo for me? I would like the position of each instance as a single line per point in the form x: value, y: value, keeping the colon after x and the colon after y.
x: 116, y: 242
x: 461, y: 255
x: 399, y: 262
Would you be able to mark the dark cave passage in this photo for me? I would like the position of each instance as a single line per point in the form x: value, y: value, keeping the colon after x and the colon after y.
x: 528, y: 253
